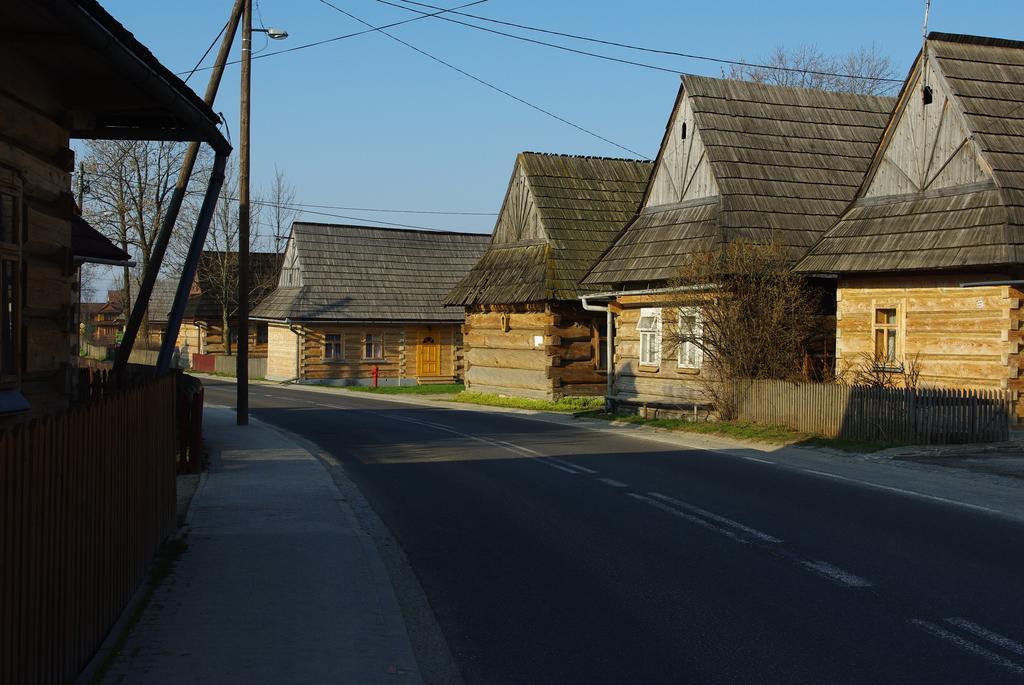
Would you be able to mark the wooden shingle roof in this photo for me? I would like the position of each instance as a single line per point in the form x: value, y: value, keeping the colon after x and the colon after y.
x: 363, y: 273
x: 968, y: 212
x: 785, y: 163
x: 560, y: 213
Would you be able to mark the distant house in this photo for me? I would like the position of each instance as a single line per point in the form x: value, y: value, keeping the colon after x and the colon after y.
x: 738, y: 161
x: 526, y: 333
x: 216, y: 288
x: 352, y: 299
x: 930, y: 255
x: 70, y: 70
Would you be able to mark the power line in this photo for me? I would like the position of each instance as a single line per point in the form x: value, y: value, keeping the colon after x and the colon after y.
x: 301, y: 205
x: 535, y: 42
x: 486, y: 83
x: 205, y: 54
x: 341, y: 37
x: 626, y: 46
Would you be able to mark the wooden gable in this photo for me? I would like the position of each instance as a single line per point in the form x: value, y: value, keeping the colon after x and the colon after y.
x: 291, y: 268
x: 683, y: 171
x: 519, y: 220
x: 930, y: 146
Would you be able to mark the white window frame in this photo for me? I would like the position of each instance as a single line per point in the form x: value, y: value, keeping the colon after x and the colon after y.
x: 377, y: 340
x: 690, y: 355
x: 649, y: 328
x: 327, y: 354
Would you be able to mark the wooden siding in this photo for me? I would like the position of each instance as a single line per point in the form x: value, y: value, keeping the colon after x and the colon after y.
x: 281, y: 357
x: 683, y: 172
x: 399, y: 364
x: 962, y: 337
x: 35, y: 155
x: 665, y: 383
x: 537, y: 351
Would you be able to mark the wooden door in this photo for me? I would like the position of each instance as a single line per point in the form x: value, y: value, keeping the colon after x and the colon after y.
x: 428, y: 358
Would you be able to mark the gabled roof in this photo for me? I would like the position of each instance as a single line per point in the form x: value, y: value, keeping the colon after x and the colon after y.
x: 966, y: 210
x: 559, y: 214
x: 89, y: 245
x: 778, y: 165
x: 363, y: 273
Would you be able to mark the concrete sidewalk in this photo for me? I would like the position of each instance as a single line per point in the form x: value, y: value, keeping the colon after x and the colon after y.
x: 279, y: 583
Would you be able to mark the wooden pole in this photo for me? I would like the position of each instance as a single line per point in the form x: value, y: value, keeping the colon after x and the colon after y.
x: 174, y: 206
x: 242, y: 351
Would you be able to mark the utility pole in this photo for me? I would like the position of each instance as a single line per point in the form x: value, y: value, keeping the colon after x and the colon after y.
x: 242, y: 350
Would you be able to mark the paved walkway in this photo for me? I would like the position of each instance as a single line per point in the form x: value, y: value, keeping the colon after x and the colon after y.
x: 279, y: 583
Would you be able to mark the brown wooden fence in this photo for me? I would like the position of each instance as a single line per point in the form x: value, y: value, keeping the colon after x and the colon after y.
x: 86, y: 498
x: 922, y: 416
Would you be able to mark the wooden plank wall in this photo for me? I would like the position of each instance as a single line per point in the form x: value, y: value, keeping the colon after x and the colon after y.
x: 282, y: 345
x: 86, y: 505
x: 663, y: 384
x: 925, y: 415
x: 963, y: 337
x: 35, y: 149
x: 213, y: 338
x: 401, y: 342
x: 542, y: 351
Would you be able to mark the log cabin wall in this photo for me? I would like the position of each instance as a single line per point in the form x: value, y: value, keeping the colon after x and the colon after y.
x: 421, y: 353
x: 35, y: 166
x: 540, y: 351
x: 212, y: 337
x: 662, y: 383
x: 961, y: 337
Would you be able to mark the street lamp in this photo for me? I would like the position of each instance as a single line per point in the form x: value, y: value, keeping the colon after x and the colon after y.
x: 242, y: 351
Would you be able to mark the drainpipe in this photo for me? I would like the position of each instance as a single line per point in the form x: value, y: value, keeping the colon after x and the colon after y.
x: 982, y: 284
x: 609, y: 401
x: 188, y: 272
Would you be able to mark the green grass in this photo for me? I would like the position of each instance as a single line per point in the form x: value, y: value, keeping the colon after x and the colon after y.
x: 566, y: 404
x: 776, y: 435
x: 440, y: 389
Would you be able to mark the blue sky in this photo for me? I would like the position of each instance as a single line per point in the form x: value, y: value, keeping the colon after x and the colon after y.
x: 366, y: 122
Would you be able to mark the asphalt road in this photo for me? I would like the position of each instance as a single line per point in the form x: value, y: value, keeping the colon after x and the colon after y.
x: 555, y: 554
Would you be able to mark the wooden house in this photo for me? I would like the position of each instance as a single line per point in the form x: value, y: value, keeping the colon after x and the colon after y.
x: 69, y: 71
x: 354, y: 299
x: 738, y: 161
x: 526, y: 332
x: 216, y: 286
x: 930, y: 256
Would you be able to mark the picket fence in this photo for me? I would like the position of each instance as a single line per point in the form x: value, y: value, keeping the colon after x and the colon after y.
x: 919, y: 416
x: 87, y: 497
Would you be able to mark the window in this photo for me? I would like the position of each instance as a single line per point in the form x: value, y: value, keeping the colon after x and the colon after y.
x: 690, y: 332
x: 650, y: 337
x: 886, y: 330
x: 334, y: 346
x: 10, y: 262
x: 262, y: 334
x: 373, y: 346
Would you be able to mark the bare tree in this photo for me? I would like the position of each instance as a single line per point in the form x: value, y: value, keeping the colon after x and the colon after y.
x: 279, y: 203
x: 863, y: 71
x: 749, y: 316
x: 129, y: 186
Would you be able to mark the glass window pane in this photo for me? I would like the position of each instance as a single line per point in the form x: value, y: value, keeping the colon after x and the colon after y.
x: 7, y: 317
x: 7, y: 218
x: 885, y: 316
x: 890, y: 347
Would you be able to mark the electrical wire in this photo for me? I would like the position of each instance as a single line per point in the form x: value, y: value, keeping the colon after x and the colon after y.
x: 207, y: 53
x: 626, y: 46
x: 338, y: 38
x: 486, y: 83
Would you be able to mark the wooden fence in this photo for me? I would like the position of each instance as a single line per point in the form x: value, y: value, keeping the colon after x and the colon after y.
x: 921, y: 416
x: 86, y: 498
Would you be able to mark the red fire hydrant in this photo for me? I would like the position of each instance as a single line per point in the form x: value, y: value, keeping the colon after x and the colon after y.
x: 376, y: 373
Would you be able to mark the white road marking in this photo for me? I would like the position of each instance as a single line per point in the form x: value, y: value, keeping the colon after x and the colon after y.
x: 518, y: 447
x: 968, y: 646
x: 683, y: 515
x: 982, y: 632
x: 912, y: 493
x: 763, y: 461
x: 570, y: 465
x: 837, y: 574
x: 753, y: 532
x: 612, y: 482
x: 548, y: 462
x: 515, y: 449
